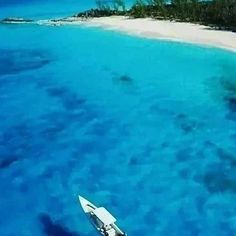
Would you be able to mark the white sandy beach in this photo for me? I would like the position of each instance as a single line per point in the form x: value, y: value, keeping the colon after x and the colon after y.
x: 169, y: 30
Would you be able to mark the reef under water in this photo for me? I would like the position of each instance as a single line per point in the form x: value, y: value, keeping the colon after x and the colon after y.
x: 154, y: 146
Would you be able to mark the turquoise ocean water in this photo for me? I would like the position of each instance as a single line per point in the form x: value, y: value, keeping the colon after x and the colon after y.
x: 44, y: 9
x: 145, y: 128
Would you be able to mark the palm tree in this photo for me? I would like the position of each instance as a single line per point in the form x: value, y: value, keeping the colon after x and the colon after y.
x: 103, y: 5
x: 138, y: 10
x: 119, y: 4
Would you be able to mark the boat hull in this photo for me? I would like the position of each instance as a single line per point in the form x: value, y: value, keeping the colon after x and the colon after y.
x: 105, y: 230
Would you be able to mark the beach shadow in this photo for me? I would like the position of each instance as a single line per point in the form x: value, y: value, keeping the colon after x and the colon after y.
x: 219, y: 28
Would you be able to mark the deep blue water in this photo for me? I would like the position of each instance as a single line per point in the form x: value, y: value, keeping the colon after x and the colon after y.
x: 145, y: 128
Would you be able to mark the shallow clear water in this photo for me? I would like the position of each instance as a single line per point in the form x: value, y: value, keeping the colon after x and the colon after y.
x: 146, y: 128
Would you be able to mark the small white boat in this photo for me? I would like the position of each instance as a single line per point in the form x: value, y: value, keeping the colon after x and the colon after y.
x: 101, y: 219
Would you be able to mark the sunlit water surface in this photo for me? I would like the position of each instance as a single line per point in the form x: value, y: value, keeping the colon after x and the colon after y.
x: 145, y: 128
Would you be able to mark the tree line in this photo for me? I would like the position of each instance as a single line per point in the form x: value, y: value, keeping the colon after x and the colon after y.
x: 219, y: 13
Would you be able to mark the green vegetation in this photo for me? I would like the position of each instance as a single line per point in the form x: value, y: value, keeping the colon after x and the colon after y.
x: 139, y: 9
x: 106, y: 8
x: 218, y: 13
x: 113, y: 5
x: 221, y: 13
x: 119, y: 5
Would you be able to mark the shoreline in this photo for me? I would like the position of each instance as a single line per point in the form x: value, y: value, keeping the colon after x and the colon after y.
x: 182, y: 32
x: 158, y: 29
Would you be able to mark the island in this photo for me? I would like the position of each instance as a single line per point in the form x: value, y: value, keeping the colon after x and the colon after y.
x: 209, y: 23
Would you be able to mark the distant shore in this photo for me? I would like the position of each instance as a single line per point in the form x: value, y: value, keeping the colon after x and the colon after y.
x: 150, y: 28
x: 162, y: 29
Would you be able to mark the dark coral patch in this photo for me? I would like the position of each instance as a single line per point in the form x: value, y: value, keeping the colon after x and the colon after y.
x: 226, y: 156
x: 7, y: 161
x: 96, y: 170
x: 70, y: 101
x: 228, y: 84
x: 216, y: 183
x: 223, y: 155
x: 57, y: 91
x: 52, y: 124
x: 51, y: 228
x: 101, y: 128
x: 200, y: 203
x: 183, y: 154
x: 233, y: 137
x: 165, y: 145
x: 219, y: 181
x: 51, y: 133
x: 8, y: 135
x: 16, y: 138
x: 73, y: 103
x: 152, y: 217
x: 184, y: 173
x: 23, y: 130
x: 208, y: 144
x: 187, y: 124
x: 187, y: 128
x: 125, y: 78
x: 200, y: 154
x: 231, y: 116
x: 82, y: 116
x: 231, y: 104
x: 56, y: 116
x: 86, y: 147
x: 134, y: 161
x: 16, y: 61
x: 100, y: 146
x: 190, y: 227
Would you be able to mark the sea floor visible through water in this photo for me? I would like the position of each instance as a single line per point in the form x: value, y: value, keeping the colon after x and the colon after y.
x: 145, y: 128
